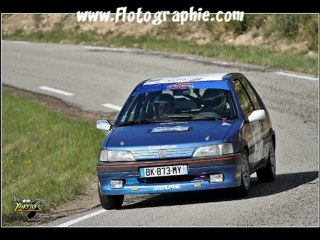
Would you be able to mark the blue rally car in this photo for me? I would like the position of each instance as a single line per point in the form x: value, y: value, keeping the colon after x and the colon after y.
x: 186, y: 133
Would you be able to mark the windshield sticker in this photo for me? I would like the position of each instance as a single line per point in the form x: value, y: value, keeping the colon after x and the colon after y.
x: 159, y: 87
x: 179, y: 86
x: 170, y: 129
x: 174, y: 80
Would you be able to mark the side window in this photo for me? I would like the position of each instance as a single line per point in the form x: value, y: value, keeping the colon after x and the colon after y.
x: 251, y: 94
x: 134, y: 110
x: 243, y: 98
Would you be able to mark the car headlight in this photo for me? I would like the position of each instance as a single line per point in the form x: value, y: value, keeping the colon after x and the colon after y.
x: 213, y: 150
x: 115, y: 156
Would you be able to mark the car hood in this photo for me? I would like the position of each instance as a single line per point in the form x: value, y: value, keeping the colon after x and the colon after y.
x: 178, y: 133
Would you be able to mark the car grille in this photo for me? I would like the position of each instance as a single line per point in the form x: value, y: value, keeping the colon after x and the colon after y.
x: 170, y: 153
x: 167, y: 179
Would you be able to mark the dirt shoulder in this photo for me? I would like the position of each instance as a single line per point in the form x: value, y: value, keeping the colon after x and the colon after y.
x: 89, y: 198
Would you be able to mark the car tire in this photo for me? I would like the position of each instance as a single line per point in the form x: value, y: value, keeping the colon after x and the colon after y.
x: 109, y: 202
x: 268, y: 173
x: 243, y: 190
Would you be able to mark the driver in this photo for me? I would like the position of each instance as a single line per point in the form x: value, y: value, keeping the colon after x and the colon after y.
x: 214, y: 100
x: 164, y: 104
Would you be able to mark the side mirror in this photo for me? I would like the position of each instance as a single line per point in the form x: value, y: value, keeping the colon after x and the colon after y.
x: 103, y: 124
x: 257, y: 115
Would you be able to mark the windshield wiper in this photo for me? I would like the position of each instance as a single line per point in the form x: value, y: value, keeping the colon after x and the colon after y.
x: 206, y: 118
x: 185, y: 115
x: 144, y: 121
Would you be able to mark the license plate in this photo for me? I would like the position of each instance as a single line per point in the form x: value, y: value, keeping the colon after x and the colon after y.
x: 163, y: 171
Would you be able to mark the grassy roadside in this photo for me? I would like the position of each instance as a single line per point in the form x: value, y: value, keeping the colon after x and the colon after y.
x: 254, y: 55
x: 44, y: 155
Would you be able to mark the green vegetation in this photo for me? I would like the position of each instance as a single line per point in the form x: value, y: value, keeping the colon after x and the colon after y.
x: 247, y: 54
x: 290, y: 27
x: 299, y: 27
x: 54, y: 36
x: 253, y: 55
x: 44, y: 155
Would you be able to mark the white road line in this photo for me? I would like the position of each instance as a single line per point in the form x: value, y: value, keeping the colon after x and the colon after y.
x: 56, y: 91
x: 79, y: 219
x: 297, y: 76
x: 112, y: 106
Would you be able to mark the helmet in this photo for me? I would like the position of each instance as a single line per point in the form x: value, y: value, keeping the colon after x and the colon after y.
x: 164, y: 103
x: 214, y: 100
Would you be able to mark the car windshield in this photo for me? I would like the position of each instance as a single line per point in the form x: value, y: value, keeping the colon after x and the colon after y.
x: 173, y: 105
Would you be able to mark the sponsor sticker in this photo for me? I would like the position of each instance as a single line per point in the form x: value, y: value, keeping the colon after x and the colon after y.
x: 163, y: 147
x: 238, y: 175
x: 180, y: 86
x: 167, y: 187
x: 170, y: 129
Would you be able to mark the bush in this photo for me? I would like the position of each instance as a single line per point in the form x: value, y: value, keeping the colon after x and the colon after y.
x: 288, y: 25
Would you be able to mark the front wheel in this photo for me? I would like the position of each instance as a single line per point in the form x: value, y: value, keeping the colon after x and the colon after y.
x: 243, y: 190
x: 268, y: 174
x: 111, y: 201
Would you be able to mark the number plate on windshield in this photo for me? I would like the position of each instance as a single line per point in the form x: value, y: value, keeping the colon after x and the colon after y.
x: 164, y: 171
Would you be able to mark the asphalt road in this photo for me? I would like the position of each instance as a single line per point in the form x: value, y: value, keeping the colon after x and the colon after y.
x: 96, y: 76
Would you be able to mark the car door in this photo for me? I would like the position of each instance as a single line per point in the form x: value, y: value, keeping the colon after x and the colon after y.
x: 266, y: 123
x: 251, y: 131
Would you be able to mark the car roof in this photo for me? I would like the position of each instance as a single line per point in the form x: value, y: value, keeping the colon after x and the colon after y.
x: 187, y: 78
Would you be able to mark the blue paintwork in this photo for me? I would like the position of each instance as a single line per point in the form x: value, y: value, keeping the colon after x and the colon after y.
x: 132, y: 186
x: 139, y: 138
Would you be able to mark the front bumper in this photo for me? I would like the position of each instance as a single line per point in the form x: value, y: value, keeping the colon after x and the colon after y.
x: 197, y: 178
